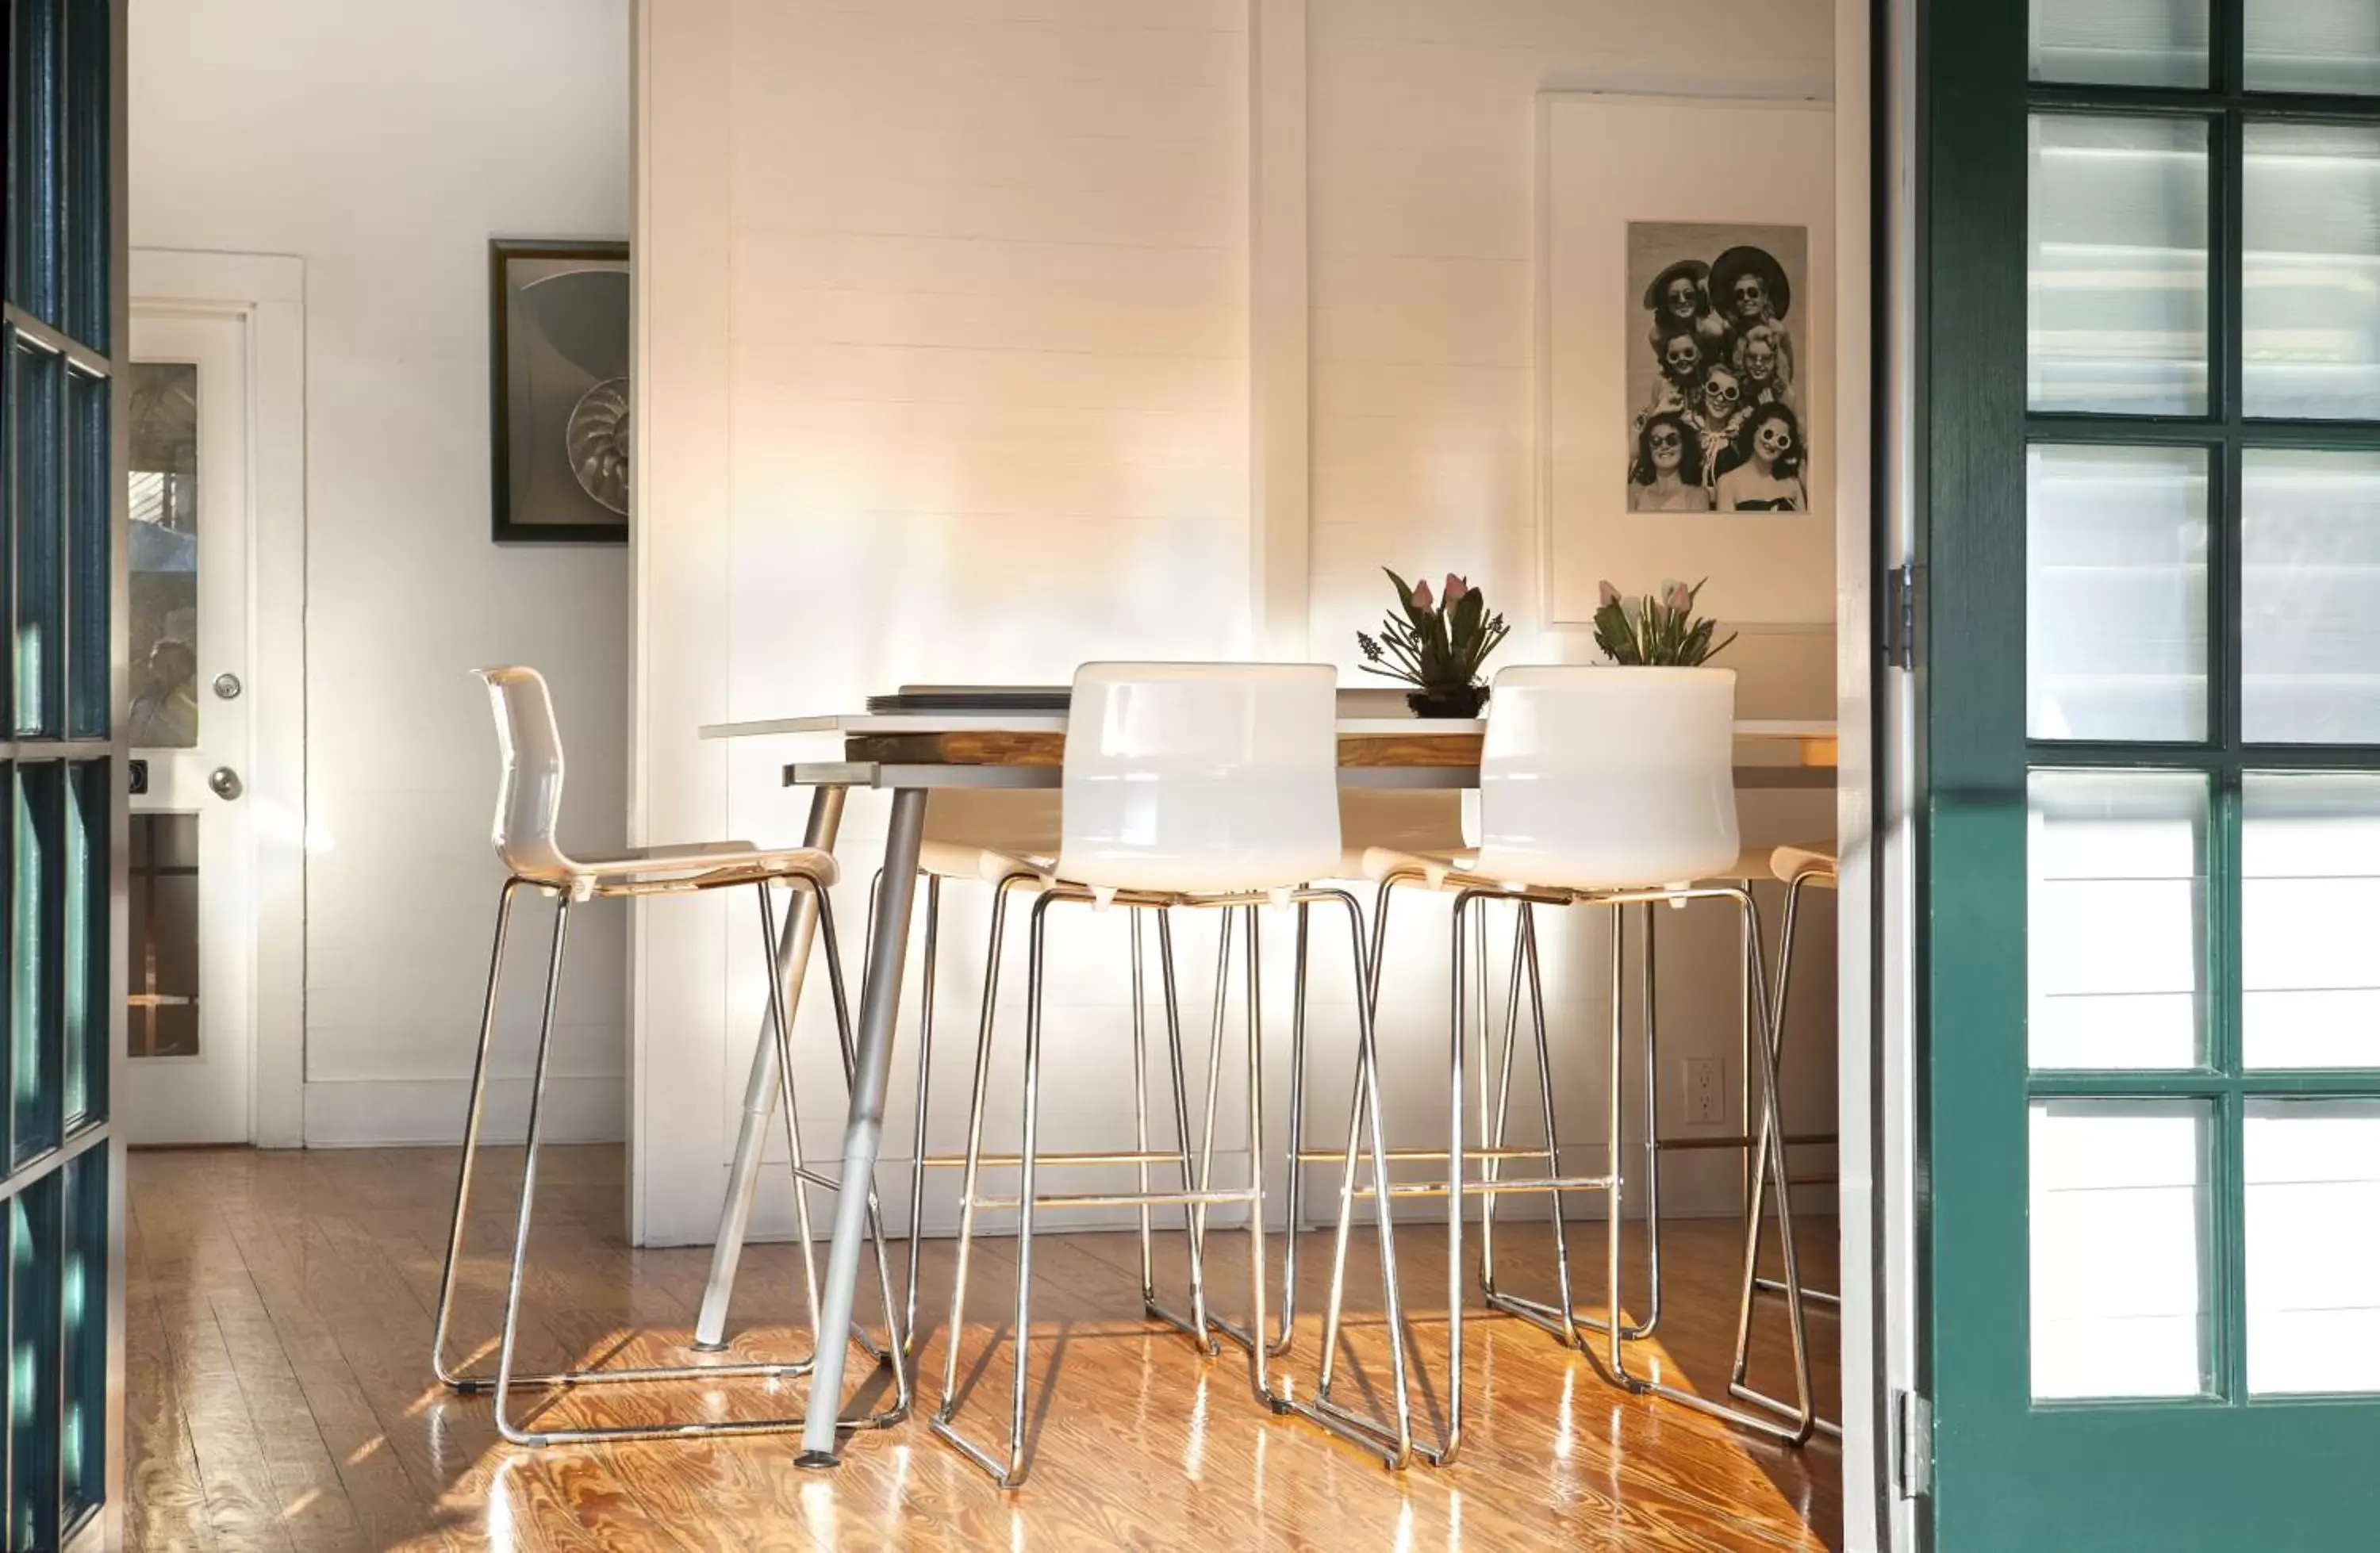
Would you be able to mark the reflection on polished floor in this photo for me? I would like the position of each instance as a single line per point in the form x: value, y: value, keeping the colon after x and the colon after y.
x: 278, y: 1395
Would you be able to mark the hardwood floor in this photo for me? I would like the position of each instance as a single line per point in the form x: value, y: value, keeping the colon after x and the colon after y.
x: 279, y: 1395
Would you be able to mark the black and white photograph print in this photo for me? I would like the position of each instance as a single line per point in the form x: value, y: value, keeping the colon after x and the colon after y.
x: 1713, y: 393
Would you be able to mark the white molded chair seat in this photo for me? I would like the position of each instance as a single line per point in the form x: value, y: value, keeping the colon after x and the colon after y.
x: 1200, y: 778
x: 1816, y: 862
x: 529, y: 813
x: 990, y: 865
x: 1608, y: 778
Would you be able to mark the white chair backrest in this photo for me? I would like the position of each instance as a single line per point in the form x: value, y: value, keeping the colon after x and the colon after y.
x: 1201, y: 776
x: 529, y: 795
x: 1609, y: 778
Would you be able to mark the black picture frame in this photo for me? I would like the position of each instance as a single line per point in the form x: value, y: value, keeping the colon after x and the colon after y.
x: 508, y: 525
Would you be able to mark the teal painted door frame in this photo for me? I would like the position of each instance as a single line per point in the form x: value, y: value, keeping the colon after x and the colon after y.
x: 2220, y: 1471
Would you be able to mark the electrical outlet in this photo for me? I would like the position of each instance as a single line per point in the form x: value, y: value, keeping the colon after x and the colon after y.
x: 1706, y: 1080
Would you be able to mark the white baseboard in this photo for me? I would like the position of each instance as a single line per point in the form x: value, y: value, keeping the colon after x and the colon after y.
x: 367, y: 1114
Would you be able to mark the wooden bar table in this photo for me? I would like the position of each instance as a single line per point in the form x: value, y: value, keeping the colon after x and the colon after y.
x: 910, y: 756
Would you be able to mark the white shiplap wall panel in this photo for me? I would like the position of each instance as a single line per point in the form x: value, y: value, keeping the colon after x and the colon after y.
x: 984, y: 367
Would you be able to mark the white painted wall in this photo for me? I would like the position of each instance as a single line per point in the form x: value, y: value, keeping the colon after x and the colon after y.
x: 384, y: 146
x: 943, y: 321
x: 944, y: 315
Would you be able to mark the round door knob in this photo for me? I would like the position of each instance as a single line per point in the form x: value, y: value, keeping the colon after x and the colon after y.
x: 224, y: 781
x: 227, y: 687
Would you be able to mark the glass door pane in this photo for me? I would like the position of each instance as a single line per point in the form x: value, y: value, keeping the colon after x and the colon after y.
x: 2314, y: 45
x: 2309, y: 597
x: 2128, y: 42
x: 2313, y: 1276
x: 162, y: 888
x: 2310, y: 894
x: 2310, y: 272
x: 2116, y: 919
x: 163, y: 407
x: 2115, y: 592
x: 2119, y: 1205
x: 2118, y: 318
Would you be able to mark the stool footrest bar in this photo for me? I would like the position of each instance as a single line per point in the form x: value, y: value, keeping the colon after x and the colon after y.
x: 1123, y: 1199
x: 1493, y: 1188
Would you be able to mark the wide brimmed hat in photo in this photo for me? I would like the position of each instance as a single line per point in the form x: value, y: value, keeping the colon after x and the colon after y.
x: 1737, y: 261
x: 1693, y: 269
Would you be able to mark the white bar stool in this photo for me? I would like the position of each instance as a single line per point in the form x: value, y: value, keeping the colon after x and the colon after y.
x: 528, y: 803
x: 1599, y: 787
x: 1208, y: 785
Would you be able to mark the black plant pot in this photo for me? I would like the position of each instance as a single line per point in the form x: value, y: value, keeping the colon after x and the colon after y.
x: 1459, y: 700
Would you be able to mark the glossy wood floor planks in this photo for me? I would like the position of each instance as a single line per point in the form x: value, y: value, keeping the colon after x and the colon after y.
x: 278, y: 1311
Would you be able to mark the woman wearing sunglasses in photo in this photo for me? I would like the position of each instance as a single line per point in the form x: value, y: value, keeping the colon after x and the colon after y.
x: 1666, y: 476
x: 1763, y: 471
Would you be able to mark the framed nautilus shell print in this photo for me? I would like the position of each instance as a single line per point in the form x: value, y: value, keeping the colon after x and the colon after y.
x: 558, y: 390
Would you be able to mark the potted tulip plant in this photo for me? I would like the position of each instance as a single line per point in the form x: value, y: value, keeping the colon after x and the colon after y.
x: 1435, y: 644
x: 1658, y: 630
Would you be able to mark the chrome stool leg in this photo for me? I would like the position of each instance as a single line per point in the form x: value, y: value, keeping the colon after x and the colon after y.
x: 438, y: 1365
x: 1800, y: 1431
x: 1295, y: 1155
x: 1392, y: 1442
x: 1392, y: 1439
x: 1756, y: 1198
x: 457, y: 1377
x: 1561, y: 1319
x: 1198, y: 1325
x: 926, y: 974
x: 506, y: 1380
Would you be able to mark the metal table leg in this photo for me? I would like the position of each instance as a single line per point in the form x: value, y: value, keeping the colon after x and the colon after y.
x: 760, y: 1089
x: 879, y: 1012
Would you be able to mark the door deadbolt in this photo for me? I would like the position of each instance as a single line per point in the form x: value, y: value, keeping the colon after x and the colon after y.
x: 224, y: 781
x: 227, y: 687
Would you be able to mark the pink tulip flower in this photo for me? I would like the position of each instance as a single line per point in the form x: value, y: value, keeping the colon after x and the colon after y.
x: 1422, y: 600
x: 1607, y: 594
x: 1455, y: 589
x: 1681, y: 597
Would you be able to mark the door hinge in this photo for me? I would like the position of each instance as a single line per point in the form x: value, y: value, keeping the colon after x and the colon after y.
x: 1912, y: 1444
x: 1900, y: 586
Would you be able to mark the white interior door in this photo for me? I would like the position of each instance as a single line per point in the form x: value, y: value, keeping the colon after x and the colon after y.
x: 189, y: 878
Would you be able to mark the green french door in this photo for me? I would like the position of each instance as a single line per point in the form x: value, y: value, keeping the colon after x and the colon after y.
x: 61, y: 803
x: 2149, y: 464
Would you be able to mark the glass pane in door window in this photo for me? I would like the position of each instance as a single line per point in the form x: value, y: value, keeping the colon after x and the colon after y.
x: 82, y: 1309
x: 36, y: 878
x: 163, y: 404
x: 2313, y: 1265
x: 91, y: 512
x: 2314, y: 45
x: 2115, y: 593
x: 2310, y: 312
x: 86, y: 923
x: 36, y: 60
x: 2310, y: 896
x: 2116, y: 919
x: 2118, y: 1220
x: 2117, y: 309
x: 2309, y: 597
x: 2120, y: 42
x: 162, y: 910
x: 32, y: 1221
x: 36, y: 385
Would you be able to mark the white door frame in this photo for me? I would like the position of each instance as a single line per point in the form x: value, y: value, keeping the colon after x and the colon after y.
x: 267, y: 292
